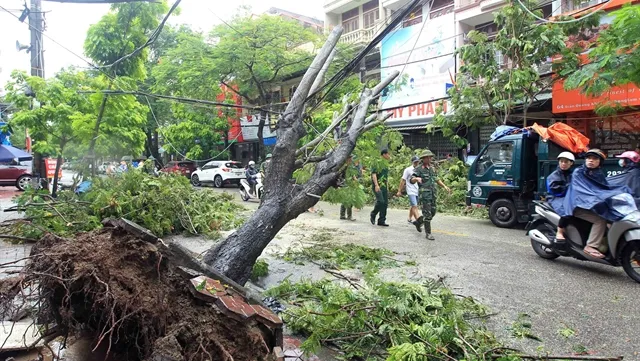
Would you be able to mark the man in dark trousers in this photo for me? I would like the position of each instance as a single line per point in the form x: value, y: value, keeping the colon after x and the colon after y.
x: 380, y: 177
x: 425, y: 176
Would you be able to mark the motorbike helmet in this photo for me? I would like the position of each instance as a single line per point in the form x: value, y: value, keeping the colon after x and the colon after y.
x: 252, y: 164
x: 268, y: 156
x: 630, y: 155
x: 596, y: 152
x: 567, y: 155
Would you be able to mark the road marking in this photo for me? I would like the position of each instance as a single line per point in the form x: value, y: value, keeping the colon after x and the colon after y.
x: 450, y: 233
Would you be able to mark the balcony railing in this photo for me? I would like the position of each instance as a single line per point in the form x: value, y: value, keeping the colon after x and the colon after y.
x: 465, y: 3
x: 361, y: 35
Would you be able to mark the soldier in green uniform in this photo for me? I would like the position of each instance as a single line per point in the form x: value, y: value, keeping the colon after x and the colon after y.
x: 264, y: 166
x: 380, y: 180
x: 425, y: 176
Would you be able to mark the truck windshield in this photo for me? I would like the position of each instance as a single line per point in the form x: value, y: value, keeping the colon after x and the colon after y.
x: 495, y: 153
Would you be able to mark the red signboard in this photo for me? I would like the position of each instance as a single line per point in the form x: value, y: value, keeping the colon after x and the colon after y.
x: 233, y: 116
x: 50, y: 163
x: 427, y: 109
x: 574, y: 101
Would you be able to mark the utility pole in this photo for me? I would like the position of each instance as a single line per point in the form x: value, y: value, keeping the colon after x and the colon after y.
x: 36, y: 26
x: 37, y: 69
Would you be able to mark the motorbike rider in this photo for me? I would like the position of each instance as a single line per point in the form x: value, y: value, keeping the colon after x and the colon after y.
x: 630, y: 177
x: 593, y: 176
x: 251, y: 174
x: 629, y: 160
x: 265, y: 165
x: 557, y: 184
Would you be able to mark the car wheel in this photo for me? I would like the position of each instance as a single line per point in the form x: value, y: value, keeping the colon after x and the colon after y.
x: 195, y: 180
x: 217, y: 181
x: 23, y: 182
x: 503, y: 213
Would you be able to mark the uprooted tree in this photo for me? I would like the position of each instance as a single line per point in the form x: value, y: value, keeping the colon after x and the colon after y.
x: 284, y: 200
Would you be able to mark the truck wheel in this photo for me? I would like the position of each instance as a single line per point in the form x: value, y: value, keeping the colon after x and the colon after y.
x: 503, y: 213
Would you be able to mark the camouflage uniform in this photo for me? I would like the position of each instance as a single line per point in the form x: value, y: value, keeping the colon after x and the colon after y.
x: 428, y: 193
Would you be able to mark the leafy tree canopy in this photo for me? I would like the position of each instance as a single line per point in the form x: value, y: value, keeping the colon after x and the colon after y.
x: 614, y: 59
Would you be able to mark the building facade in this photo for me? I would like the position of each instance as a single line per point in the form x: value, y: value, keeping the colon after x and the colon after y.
x: 422, y: 48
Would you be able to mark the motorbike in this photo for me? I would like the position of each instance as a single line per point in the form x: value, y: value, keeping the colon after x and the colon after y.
x: 623, y: 239
x: 245, y: 189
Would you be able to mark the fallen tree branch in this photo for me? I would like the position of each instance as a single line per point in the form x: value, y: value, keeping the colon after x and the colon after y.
x: 17, y: 238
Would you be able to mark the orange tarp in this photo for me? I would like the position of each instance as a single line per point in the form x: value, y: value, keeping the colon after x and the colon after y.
x: 564, y: 136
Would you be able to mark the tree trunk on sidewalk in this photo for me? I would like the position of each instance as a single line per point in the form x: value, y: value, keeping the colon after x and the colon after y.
x: 284, y: 200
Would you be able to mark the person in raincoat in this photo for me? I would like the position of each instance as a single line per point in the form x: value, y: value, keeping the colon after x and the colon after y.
x: 557, y: 184
x: 630, y: 177
x: 592, y: 198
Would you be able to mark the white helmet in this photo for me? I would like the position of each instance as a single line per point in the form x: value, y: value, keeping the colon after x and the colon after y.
x: 252, y: 163
x: 567, y: 155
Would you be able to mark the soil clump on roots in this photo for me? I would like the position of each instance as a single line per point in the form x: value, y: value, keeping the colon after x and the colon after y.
x: 129, y: 296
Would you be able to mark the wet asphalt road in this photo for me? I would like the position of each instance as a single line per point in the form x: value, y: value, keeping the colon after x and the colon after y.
x: 498, y: 267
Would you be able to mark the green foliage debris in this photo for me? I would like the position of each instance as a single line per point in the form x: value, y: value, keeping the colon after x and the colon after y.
x: 165, y: 205
x: 260, y: 270
x: 387, y: 320
x: 340, y: 257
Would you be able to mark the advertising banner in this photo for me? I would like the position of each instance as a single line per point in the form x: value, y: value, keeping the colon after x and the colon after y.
x: 426, y: 71
x: 250, y: 125
x: 51, y: 163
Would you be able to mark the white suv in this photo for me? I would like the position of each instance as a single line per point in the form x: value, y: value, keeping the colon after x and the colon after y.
x: 218, y: 172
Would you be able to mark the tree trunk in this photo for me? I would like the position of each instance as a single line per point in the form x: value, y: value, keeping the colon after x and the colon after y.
x: 261, y: 122
x: 283, y: 200
x: 96, y: 132
x: 236, y: 255
x: 54, y: 192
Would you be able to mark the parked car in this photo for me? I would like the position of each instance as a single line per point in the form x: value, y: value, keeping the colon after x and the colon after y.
x: 219, y: 173
x: 15, y: 174
x: 183, y: 167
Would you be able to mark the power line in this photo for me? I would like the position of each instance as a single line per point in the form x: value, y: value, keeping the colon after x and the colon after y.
x: 151, y: 40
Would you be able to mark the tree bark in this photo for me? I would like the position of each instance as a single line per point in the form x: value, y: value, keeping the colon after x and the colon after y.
x: 54, y: 191
x: 96, y: 132
x: 261, y: 123
x: 283, y: 200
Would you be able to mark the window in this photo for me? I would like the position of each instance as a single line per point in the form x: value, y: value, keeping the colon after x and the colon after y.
x: 370, y: 13
x: 234, y: 165
x: 496, y: 153
x: 489, y: 28
x: 350, y: 20
x: 574, y: 5
x: 415, y: 17
x: 440, y: 7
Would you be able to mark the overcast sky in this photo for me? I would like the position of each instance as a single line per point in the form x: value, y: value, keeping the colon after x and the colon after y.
x: 68, y: 24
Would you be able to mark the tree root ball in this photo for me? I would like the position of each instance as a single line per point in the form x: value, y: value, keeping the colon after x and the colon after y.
x: 131, y: 298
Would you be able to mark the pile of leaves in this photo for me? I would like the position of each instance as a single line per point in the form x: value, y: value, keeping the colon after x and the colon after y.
x: 387, y: 320
x: 167, y: 204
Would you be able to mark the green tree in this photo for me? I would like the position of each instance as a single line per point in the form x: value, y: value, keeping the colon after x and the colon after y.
x: 506, y: 72
x: 614, y: 59
x: 58, y: 108
x: 124, y: 29
x: 254, y: 54
x: 185, y: 68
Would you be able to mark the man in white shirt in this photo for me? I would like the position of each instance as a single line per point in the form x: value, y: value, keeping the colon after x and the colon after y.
x: 412, y: 193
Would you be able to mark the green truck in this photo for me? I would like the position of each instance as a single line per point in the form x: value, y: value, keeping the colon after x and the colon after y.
x: 510, y: 173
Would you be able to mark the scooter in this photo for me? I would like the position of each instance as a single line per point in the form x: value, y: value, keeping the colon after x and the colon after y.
x: 623, y: 238
x: 245, y: 189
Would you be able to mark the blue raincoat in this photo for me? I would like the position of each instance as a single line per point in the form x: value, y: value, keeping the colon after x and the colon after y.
x: 631, y: 179
x: 590, y: 190
x: 557, y: 185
